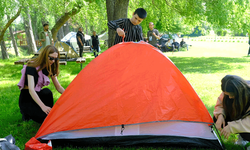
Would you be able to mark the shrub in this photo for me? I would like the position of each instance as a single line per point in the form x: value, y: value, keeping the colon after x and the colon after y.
x: 219, y: 33
x: 224, y: 33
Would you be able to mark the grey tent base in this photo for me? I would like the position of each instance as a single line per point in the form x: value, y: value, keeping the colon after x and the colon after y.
x: 139, y: 141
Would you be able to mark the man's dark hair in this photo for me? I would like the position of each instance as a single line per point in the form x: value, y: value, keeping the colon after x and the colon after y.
x: 141, y: 13
x: 46, y: 23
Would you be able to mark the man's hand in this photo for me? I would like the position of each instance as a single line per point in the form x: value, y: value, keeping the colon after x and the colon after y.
x: 156, y: 36
x: 120, y: 32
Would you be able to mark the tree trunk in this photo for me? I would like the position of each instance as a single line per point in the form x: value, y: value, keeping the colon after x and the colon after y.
x: 29, y: 34
x: 86, y: 26
x: 60, y: 34
x: 3, y: 30
x: 63, y: 19
x: 13, y: 40
x: 116, y: 9
x: 66, y: 28
x: 5, y: 55
x: 34, y: 22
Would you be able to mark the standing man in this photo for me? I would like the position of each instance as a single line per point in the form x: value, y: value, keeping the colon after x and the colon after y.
x: 129, y: 29
x: 153, y: 35
x: 80, y: 40
x: 95, y: 43
x: 46, y: 36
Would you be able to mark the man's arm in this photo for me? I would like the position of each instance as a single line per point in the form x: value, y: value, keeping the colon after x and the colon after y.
x: 98, y: 42
x: 156, y: 34
x: 139, y: 34
x: 148, y: 35
x: 79, y: 39
x: 41, y: 37
x: 115, y: 25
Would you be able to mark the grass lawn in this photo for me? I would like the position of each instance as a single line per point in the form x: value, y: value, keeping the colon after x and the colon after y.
x: 204, y: 65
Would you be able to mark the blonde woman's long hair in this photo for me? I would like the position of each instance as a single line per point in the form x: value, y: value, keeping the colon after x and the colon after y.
x: 43, y: 61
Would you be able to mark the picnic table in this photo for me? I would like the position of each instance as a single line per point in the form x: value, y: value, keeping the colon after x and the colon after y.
x: 63, y: 55
x: 62, y: 61
x: 81, y: 60
x: 22, y: 61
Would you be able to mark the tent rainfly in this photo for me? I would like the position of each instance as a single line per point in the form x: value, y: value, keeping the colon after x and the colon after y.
x: 130, y: 95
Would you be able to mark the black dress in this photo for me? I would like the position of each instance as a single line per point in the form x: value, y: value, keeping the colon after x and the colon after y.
x: 28, y: 107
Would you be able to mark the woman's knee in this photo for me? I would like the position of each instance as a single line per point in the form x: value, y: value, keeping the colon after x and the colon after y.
x: 46, y: 91
x: 46, y: 96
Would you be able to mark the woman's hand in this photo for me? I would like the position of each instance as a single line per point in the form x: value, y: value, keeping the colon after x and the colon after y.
x: 46, y: 109
x: 226, y: 131
x: 220, y: 122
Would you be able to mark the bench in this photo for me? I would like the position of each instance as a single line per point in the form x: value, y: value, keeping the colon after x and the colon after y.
x: 81, y: 60
x: 21, y: 61
x: 63, y: 55
x: 25, y: 60
x: 86, y: 49
x: 63, y: 62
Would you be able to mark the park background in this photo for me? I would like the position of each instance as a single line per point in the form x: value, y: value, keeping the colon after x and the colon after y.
x: 216, y: 30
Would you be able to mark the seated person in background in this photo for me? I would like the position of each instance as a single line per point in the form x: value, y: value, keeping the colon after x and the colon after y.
x: 183, y: 44
x: 175, y: 44
x: 231, y: 113
x: 167, y: 46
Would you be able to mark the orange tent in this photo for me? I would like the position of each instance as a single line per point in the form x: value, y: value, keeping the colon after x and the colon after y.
x: 131, y: 94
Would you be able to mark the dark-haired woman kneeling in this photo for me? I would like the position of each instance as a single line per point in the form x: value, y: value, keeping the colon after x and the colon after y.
x: 231, y: 114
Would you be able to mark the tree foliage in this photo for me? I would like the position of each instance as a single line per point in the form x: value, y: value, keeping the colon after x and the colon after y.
x: 183, y: 15
x: 92, y: 17
x: 176, y: 16
x: 7, y: 8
